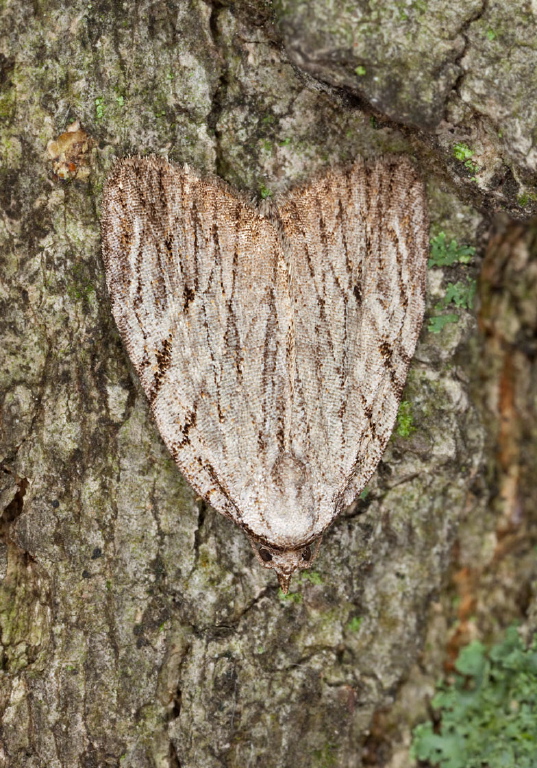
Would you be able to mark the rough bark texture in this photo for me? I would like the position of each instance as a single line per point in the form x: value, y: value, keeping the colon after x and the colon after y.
x: 136, y: 628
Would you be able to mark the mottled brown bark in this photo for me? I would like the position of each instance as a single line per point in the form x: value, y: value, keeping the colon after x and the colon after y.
x: 136, y: 628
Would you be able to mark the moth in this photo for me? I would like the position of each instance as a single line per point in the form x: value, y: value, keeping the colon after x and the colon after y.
x: 272, y: 341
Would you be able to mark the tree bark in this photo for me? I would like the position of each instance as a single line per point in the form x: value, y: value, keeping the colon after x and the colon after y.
x: 137, y: 629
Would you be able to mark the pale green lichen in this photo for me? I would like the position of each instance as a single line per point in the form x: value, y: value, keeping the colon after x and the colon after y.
x: 405, y: 422
x: 526, y: 198
x: 290, y: 597
x: 326, y: 756
x: 488, y: 711
x: 444, y: 253
x: 355, y: 623
x: 437, y: 323
x: 463, y: 153
x: 461, y: 294
x: 99, y: 108
x: 313, y: 577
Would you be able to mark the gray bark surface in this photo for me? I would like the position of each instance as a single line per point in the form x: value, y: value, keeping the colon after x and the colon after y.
x: 136, y: 628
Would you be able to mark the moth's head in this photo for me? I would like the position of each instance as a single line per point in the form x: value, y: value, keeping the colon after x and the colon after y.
x: 285, y: 561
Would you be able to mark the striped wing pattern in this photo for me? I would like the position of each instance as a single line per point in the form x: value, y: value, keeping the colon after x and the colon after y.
x: 273, y: 344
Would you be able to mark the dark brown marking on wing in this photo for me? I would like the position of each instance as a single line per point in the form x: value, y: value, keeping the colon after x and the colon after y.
x: 188, y: 296
x: 326, y: 255
x: 164, y: 358
x: 342, y: 368
x: 232, y: 339
x: 237, y: 219
x: 269, y: 352
x: 218, y: 482
x: 158, y: 283
x: 144, y: 364
x: 342, y: 219
x: 215, y: 366
x: 197, y: 228
x: 190, y: 422
x: 387, y: 353
x: 125, y: 223
x: 297, y: 223
x: 168, y: 246
x: 397, y: 371
x: 217, y: 254
x: 322, y: 223
x: 138, y: 301
x: 261, y: 441
x: 367, y: 173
